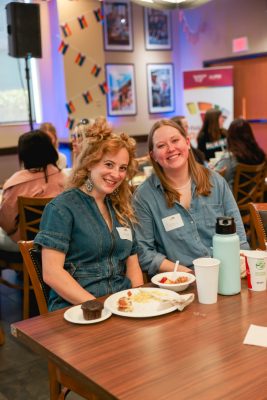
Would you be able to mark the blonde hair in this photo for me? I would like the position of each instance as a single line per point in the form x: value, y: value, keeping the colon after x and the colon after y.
x: 82, y: 129
x: 99, y: 141
x: 48, y: 127
x: 199, y: 173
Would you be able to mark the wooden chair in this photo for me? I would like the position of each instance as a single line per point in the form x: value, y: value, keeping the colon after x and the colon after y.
x: 258, y: 220
x: 248, y: 187
x: 30, y: 213
x: 2, y: 336
x: 60, y: 383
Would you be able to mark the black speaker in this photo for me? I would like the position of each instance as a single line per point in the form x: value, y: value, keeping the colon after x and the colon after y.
x: 24, y: 31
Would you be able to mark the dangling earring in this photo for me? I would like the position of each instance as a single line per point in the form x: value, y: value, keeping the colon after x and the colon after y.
x: 116, y: 191
x: 89, y: 184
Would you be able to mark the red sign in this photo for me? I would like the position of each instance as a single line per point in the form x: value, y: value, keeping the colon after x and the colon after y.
x: 208, y: 78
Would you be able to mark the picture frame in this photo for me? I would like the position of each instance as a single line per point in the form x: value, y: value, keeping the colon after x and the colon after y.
x: 157, y: 29
x: 121, y: 96
x: 160, y: 82
x: 117, y: 26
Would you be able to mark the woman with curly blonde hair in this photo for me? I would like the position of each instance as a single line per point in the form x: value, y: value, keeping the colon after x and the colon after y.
x: 86, y: 235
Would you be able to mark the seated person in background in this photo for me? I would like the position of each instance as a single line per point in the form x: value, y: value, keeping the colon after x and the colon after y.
x: 177, y: 206
x: 183, y: 123
x: 81, y: 132
x: 241, y: 148
x: 40, y: 178
x: 88, y: 245
x: 50, y: 130
x: 212, y: 136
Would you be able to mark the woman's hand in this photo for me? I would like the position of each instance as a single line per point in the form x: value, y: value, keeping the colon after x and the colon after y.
x: 168, y: 266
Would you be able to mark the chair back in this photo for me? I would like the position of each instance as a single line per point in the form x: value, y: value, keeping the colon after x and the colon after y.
x: 248, y: 188
x: 258, y: 221
x: 30, y: 214
x: 33, y: 262
x: 249, y: 184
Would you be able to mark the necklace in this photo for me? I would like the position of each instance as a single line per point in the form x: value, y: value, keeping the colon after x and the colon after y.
x: 184, y: 186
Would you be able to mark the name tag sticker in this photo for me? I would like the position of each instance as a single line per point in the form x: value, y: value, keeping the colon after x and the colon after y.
x: 125, y: 233
x: 173, y: 222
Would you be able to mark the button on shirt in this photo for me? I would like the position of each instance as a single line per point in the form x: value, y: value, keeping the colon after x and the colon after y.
x: 95, y: 257
x: 177, y: 233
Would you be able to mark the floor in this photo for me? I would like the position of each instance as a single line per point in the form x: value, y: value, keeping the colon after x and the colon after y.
x: 23, y: 374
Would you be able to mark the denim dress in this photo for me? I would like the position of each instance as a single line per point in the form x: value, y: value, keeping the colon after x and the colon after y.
x: 95, y: 256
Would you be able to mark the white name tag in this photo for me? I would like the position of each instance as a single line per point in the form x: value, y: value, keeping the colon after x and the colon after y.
x: 125, y: 233
x: 173, y: 222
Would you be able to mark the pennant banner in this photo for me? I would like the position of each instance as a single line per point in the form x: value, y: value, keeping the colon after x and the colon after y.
x: 82, y: 22
x: 63, y: 47
x: 80, y: 59
x: 70, y: 107
x: 70, y: 123
x: 103, y: 87
x: 98, y: 14
x: 95, y: 70
x: 87, y: 97
x: 66, y: 30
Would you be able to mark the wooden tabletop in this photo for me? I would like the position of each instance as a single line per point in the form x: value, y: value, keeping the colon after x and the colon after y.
x: 194, y: 354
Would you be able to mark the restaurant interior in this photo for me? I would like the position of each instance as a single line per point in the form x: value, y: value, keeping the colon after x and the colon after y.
x: 69, y: 82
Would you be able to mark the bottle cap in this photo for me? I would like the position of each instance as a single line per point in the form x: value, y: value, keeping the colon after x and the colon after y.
x: 225, y: 225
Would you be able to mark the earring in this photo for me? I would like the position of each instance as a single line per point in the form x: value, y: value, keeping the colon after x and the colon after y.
x: 89, y: 184
x: 116, y: 191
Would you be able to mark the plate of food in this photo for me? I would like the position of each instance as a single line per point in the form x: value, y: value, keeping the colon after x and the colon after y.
x: 178, y: 282
x: 142, y: 302
x: 90, y: 312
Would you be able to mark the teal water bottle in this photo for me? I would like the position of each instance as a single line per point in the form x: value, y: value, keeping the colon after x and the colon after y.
x: 226, y: 248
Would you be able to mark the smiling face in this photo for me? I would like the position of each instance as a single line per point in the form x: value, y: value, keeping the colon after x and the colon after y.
x: 109, y: 172
x: 170, y: 148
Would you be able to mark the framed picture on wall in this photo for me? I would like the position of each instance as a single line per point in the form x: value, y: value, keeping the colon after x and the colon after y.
x: 157, y: 29
x: 121, y: 97
x: 117, y: 25
x: 160, y: 83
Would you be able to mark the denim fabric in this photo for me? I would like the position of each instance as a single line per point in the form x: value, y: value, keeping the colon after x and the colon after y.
x: 95, y: 257
x: 187, y: 242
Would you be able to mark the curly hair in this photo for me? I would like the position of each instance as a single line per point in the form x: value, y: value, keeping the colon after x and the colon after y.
x: 199, y: 173
x: 99, y: 141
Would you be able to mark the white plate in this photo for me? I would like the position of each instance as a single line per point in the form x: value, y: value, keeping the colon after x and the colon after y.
x: 152, y: 308
x: 75, y: 315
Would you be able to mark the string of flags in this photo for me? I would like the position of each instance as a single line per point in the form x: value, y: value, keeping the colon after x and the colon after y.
x: 87, y: 97
x: 80, y: 59
x: 82, y: 21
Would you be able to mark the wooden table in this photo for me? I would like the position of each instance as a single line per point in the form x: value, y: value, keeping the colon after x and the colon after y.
x: 194, y: 354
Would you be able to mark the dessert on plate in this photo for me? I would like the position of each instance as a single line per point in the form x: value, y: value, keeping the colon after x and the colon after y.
x: 92, y: 309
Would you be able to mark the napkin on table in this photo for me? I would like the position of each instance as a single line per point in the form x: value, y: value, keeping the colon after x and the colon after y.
x: 256, y: 335
x: 184, y: 300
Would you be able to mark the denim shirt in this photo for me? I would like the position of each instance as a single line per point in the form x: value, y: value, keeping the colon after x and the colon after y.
x: 191, y: 236
x: 95, y: 257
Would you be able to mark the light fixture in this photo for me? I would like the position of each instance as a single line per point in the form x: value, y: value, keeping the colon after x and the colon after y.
x: 170, y: 3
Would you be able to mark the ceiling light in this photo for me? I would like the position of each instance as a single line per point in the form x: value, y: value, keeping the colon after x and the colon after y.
x: 170, y: 3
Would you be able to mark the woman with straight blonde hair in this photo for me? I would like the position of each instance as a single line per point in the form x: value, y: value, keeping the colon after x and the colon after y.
x: 86, y: 235
x: 51, y: 131
x: 177, y: 206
